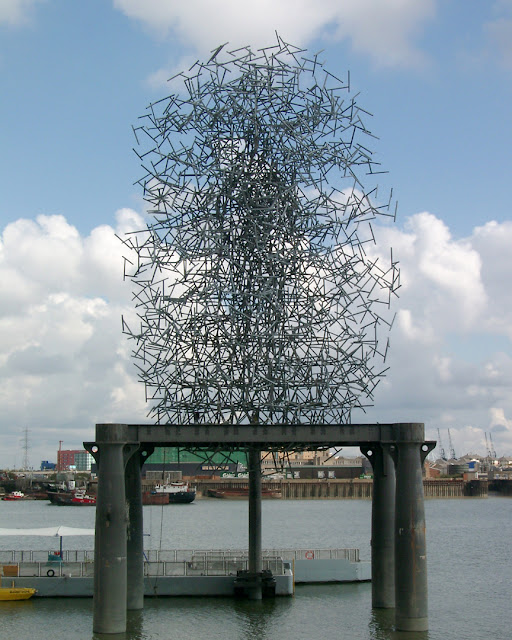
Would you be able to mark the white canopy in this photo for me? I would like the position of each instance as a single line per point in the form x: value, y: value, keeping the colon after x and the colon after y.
x: 48, y: 532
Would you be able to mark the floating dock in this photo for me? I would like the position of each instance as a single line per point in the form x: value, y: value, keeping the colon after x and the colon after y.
x: 184, y: 572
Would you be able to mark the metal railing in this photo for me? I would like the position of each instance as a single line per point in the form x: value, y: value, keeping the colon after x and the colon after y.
x: 161, y: 562
x: 198, y: 566
x: 49, y: 569
x: 9, y: 557
x: 177, y: 555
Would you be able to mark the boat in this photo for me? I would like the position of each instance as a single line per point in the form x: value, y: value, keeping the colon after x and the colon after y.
x: 72, y: 498
x: 172, y: 493
x: 15, y: 495
x: 242, y: 493
x: 16, y: 593
x: 149, y: 497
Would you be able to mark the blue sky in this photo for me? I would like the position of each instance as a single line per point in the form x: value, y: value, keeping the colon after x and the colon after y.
x: 76, y: 76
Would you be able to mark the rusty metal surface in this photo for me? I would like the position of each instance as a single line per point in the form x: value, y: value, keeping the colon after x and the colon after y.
x: 282, y: 436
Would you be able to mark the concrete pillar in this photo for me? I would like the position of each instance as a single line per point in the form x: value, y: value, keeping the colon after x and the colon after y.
x: 383, y: 525
x: 109, y: 604
x: 135, y: 541
x: 255, y: 551
x: 410, y: 540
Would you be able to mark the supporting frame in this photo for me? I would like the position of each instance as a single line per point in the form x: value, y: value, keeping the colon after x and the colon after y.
x: 254, y: 592
x: 383, y: 525
x: 398, y: 517
x: 110, y: 548
x: 411, y: 591
x: 135, y: 540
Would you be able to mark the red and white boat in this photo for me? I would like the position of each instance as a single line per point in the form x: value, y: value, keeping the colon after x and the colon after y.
x: 75, y: 498
x: 15, y: 495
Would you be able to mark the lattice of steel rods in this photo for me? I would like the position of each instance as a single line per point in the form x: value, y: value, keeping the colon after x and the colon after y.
x: 257, y: 299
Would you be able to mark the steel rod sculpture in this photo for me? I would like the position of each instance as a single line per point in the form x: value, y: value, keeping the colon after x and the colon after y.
x: 256, y: 297
x: 260, y: 311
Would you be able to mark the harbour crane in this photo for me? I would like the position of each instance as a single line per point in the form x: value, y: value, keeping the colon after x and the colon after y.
x: 452, y: 450
x: 492, y: 450
x: 441, y: 448
x: 488, y: 451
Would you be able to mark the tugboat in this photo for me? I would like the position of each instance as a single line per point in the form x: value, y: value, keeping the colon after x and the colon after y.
x: 15, y: 495
x: 75, y: 498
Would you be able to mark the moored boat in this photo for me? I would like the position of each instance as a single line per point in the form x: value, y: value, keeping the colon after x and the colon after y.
x: 15, y: 495
x: 172, y: 493
x: 149, y: 498
x: 75, y: 498
x: 16, y: 593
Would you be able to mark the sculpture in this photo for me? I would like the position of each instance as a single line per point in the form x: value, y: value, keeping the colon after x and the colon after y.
x: 257, y: 300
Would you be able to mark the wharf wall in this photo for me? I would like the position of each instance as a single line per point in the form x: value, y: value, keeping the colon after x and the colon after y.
x: 501, y: 486
x: 333, y: 489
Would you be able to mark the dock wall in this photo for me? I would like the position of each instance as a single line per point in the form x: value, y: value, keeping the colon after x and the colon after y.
x: 348, y: 489
x: 501, y: 486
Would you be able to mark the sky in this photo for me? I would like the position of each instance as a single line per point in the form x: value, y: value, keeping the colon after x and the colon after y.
x: 76, y: 76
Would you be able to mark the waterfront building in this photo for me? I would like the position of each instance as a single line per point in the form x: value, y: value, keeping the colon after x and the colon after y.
x: 168, y: 459
x: 74, y: 460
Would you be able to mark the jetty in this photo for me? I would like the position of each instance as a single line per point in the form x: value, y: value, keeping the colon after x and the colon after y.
x: 396, y: 451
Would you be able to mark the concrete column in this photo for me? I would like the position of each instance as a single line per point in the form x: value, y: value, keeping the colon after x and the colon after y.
x: 255, y: 560
x: 383, y: 525
x: 410, y: 540
x: 110, y: 541
x: 135, y: 541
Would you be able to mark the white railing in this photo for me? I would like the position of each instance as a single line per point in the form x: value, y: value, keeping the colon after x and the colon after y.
x: 161, y: 562
x: 9, y: 557
x: 198, y: 566
x: 49, y: 569
x: 177, y: 555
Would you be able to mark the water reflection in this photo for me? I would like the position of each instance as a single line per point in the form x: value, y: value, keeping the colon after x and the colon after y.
x: 382, y: 627
x: 134, y: 629
x: 256, y: 618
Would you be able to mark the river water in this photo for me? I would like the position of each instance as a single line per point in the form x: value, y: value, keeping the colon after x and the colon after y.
x: 469, y: 573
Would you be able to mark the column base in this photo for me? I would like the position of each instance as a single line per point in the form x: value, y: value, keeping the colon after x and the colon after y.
x: 255, y: 586
x: 411, y: 624
x: 384, y: 604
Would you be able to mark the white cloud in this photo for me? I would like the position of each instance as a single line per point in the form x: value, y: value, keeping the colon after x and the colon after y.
x: 498, y: 33
x: 493, y: 242
x: 450, y: 358
x: 381, y: 29
x: 65, y: 365
x: 16, y: 12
